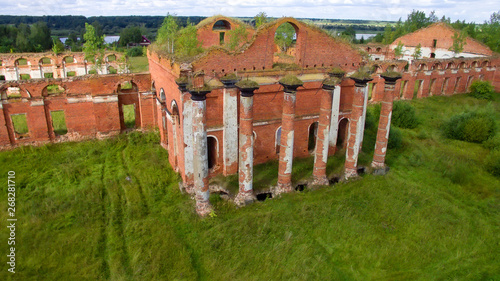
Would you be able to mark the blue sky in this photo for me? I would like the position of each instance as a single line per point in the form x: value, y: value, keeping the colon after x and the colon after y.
x: 391, y: 10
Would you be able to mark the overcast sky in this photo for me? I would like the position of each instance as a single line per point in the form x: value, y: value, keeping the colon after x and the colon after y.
x: 392, y: 10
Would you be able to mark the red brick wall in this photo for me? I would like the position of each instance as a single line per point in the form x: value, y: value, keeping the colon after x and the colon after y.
x: 443, y: 34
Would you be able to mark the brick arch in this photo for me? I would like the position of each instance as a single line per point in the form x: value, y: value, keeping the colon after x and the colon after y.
x: 437, y: 66
x: 474, y: 64
x: 463, y: 65
x: 450, y: 65
x: 221, y: 24
x: 45, y: 91
x: 174, y: 108
x: 40, y: 61
x: 68, y: 56
x: 422, y: 66
x: 16, y: 61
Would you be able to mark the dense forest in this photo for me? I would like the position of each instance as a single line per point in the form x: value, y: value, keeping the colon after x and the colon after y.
x: 40, y: 33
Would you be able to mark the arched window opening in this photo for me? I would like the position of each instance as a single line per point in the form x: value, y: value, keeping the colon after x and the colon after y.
x: 221, y: 25
x: 162, y: 95
x: 313, y: 133
x: 45, y: 60
x: 212, y: 151
x: 285, y: 39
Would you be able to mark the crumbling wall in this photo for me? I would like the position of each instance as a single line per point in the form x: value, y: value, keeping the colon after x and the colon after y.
x: 90, y: 106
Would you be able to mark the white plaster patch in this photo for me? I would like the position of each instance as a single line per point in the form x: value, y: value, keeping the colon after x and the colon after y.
x: 105, y: 99
x: 37, y: 103
x: 230, y: 130
x: 334, y: 125
x: 289, y: 152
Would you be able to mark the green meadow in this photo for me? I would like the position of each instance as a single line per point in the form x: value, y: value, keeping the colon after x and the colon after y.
x: 112, y: 210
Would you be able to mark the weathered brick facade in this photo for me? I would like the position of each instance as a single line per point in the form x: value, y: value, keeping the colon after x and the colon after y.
x: 315, y: 53
x: 92, y: 107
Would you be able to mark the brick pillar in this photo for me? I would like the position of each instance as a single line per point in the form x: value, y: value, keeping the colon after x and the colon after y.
x: 287, y: 133
x: 230, y: 131
x: 187, y: 133
x: 200, y: 153
x: 334, y: 120
x: 384, y: 123
x: 356, y: 126
x: 245, y: 171
x: 321, y: 150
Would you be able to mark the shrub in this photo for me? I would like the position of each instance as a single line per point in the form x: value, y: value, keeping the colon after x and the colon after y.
x: 470, y: 126
x: 493, y: 163
x: 135, y: 52
x: 492, y: 143
x: 395, y: 138
x: 404, y: 115
x: 482, y: 90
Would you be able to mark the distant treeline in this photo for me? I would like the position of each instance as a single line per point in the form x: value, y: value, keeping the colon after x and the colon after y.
x: 111, y: 25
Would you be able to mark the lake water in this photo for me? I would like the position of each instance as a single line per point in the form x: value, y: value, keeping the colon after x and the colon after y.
x: 364, y: 35
x: 107, y: 39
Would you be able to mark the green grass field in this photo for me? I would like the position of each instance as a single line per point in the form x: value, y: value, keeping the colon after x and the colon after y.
x: 138, y: 64
x: 112, y: 210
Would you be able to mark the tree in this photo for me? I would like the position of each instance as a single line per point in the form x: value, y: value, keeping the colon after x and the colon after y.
x: 416, y: 20
x: 22, y: 38
x: 187, y: 44
x: 57, y: 47
x: 459, y: 40
x: 260, y: 19
x: 284, y: 36
x: 93, y: 47
x: 130, y: 34
x: 237, y: 36
x: 40, y: 36
x: 168, y: 32
x: 418, y: 52
x: 398, y: 51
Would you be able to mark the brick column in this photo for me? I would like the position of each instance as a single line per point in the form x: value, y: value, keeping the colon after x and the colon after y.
x: 321, y: 150
x: 187, y: 133
x: 384, y: 123
x: 356, y: 124
x: 230, y: 131
x: 290, y: 84
x: 334, y: 120
x: 246, y: 140
x: 200, y: 153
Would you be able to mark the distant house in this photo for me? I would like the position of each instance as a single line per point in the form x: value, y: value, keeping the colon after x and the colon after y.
x: 436, y: 42
x: 145, y: 41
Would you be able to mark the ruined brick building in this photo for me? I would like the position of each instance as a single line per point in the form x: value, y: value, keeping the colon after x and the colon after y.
x: 225, y: 110
x: 275, y: 119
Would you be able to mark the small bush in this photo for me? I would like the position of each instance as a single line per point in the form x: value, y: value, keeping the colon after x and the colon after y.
x: 404, y: 115
x: 135, y: 52
x: 470, y: 126
x: 395, y: 138
x: 482, y: 90
x: 492, y: 163
x: 492, y: 143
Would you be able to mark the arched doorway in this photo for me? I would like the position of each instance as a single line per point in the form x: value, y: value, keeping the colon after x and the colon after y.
x: 313, y: 133
x: 212, y: 149
x: 342, y: 133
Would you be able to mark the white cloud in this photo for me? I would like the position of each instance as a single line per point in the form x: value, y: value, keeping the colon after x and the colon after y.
x: 343, y: 9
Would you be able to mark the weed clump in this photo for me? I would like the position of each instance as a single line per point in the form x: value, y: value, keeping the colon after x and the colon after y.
x: 404, y: 115
x: 470, y: 126
x: 482, y: 90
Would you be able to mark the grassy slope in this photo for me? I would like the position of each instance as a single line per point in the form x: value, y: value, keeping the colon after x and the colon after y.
x: 434, y: 216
